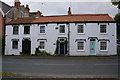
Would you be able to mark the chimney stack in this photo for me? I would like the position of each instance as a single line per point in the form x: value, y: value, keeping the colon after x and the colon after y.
x: 69, y: 11
x: 27, y: 8
x: 17, y: 3
x: 38, y: 14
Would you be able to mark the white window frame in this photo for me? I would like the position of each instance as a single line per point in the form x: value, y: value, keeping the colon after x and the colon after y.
x: 62, y: 25
x: 17, y: 44
x: 39, y: 29
x: 106, y: 46
x: 24, y: 30
x: 44, y: 45
x: 106, y: 28
x: 83, y: 45
x: 83, y: 28
x: 13, y: 29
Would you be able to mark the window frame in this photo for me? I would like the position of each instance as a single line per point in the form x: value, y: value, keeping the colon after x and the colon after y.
x: 64, y: 28
x: 44, y: 45
x: 83, y: 46
x: 83, y: 28
x: 100, y: 28
x: 14, y: 30
x: 106, y: 45
x: 24, y: 29
x: 13, y: 46
x: 44, y: 29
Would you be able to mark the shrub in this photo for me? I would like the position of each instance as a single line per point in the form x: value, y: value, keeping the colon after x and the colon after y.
x: 41, y: 53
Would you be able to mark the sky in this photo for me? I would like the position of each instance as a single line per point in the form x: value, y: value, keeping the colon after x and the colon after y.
x: 60, y: 7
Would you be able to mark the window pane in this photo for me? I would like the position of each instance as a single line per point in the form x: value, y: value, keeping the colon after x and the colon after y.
x: 62, y: 28
x: 102, y: 28
x: 80, y: 29
x: 15, y: 45
x: 42, y: 29
x: 15, y: 29
x: 42, y: 45
x: 80, y: 45
x: 26, y: 29
x: 103, y: 45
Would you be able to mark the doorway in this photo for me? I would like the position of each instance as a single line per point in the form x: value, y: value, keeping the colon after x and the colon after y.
x: 92, y: 47
x: 62, y: 46
x: 26, y: 46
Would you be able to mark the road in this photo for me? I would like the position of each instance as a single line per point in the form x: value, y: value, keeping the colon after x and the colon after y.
x: 61, y: 67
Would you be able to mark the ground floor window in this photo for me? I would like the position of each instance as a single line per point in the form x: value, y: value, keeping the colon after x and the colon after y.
x: 103, y: 46
x: 80, y: 45
x: 42, y: 45
x: 15, y: 45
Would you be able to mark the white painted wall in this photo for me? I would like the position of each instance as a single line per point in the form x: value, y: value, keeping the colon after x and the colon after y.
x: 91, y: 30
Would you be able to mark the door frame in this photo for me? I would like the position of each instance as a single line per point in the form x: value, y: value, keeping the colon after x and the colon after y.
x: 92, y: 40
x: 62, y: 40
x: 28, y: 44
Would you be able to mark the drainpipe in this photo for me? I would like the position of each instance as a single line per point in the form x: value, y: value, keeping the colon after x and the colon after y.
x: 68, y: 50
x: 3, y: 41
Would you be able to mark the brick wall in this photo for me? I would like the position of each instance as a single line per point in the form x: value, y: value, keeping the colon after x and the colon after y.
x: 1, y: 25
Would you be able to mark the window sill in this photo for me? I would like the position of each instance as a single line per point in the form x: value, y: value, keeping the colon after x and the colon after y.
x: 42, y: 33
x: 42, y: 49
x: 80, y: 50
x: 62, y: 33
x: 103, y: 34
x: 80, y: 33
x: 103, y: 50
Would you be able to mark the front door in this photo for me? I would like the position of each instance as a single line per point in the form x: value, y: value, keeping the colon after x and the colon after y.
x: 92, y: 46
x: 26, y: 46
x: 62, y: 51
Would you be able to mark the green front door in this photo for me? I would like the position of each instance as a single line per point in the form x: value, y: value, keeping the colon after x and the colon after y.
x: 92, y: 47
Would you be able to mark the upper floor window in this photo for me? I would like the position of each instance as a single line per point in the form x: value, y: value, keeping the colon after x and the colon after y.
x: 80, y: 45
x: 42, y: 29
x: 26, y: 29
x: 80, y: 29
x: 15, y: 44
x: 62, y: 29
x: 15, y: 29
x: 103, y: 45
x: 103, y: 29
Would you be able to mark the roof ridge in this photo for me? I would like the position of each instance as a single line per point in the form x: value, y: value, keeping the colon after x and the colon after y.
x: 64, y: 18
x: 88, y: 14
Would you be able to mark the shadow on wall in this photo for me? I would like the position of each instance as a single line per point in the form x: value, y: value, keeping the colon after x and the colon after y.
x: 0, y: 45
x: 118, y: 50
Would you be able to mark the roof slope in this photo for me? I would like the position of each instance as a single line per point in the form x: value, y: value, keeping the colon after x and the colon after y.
x: 5, y: 7
x: 65, y: 18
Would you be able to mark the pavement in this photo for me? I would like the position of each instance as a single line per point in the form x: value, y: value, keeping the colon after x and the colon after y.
x: 60, y: 67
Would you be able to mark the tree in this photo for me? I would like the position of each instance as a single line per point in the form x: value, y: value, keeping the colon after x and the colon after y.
x: 117, y: 18
x: 116, y: 3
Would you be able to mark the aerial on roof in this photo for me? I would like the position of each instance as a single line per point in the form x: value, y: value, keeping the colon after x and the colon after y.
x: 64, y: 18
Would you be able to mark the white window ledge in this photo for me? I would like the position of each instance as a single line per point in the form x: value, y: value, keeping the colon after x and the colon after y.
x: 80, y: 50
x: 80, y: 33
x: 62, y: 33
x: 42, y: 33
x: 103, y: 50
x: 103, y: 33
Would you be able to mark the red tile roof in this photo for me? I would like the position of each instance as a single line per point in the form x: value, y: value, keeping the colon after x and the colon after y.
x: 65, y: 18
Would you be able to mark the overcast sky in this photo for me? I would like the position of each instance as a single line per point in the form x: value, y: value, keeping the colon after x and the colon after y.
x: 61, y: 7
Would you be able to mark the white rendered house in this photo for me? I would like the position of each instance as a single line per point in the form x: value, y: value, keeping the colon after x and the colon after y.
x: 72, y: 34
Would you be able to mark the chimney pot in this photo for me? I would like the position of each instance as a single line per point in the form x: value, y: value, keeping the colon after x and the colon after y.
x: 17, y: 3
x: 38, y: 14
x: 27, y: 8
x: 69, y: 11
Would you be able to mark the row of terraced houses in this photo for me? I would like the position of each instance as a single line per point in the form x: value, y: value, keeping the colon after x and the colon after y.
x: 71, y: 34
